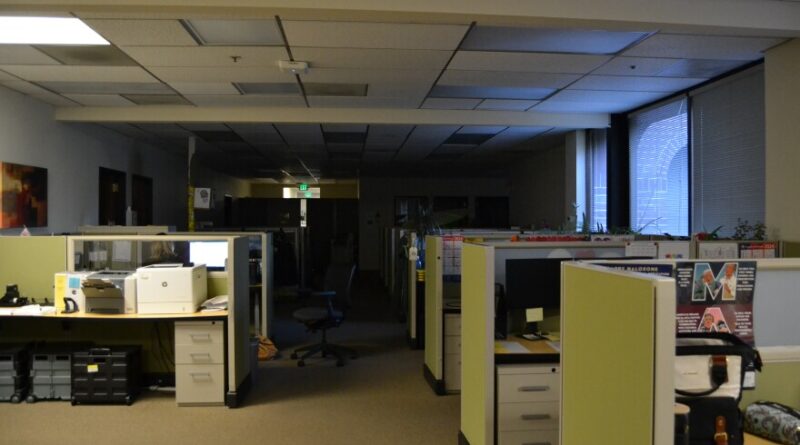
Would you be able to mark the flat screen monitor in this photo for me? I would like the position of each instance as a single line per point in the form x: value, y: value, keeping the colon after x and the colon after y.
x: 213, y: 254
x: 533, y: 282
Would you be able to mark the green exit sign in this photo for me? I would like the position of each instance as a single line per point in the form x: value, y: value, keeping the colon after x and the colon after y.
x: 302, y: 186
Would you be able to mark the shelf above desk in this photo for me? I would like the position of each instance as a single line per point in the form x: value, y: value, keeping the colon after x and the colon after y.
x: 142, y: 317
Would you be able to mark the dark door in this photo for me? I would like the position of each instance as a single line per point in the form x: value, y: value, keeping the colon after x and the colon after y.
x: 112, y: 197
x: 142, y: 199
x: 491, y: 212
x: 332, y: 232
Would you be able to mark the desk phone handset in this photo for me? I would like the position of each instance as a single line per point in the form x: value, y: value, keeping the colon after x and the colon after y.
x: 70, y: 305
x: 12, y: 298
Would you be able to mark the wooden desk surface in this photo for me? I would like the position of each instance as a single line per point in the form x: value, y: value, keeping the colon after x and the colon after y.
x: 85, y: 316
x: 519, y: 350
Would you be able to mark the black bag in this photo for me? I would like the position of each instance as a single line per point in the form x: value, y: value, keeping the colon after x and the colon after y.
x: 703, y: 418
x: 710, y: 371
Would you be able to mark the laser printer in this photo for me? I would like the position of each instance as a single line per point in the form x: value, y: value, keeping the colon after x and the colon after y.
x: 171, y: 288
x: 110, y: 292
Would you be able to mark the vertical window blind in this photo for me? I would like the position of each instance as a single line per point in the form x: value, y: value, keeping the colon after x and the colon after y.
x: 659, y: 166
x: 597, y: 179
x: 728, y: 160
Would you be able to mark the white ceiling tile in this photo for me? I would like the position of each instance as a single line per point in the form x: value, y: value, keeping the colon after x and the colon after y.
x: 24, y: 55
x: 423, y: 140
x: 635, y: 66
x: 100, y: 100
x: 681, y: 46
x: 55, y: 99
x: 507, y: 104
x: 387, y: 137
x: 301, y: 134
x: 107, y: 87
x: 253, y: 100
x: 142, y: 32
x: 258, y: 134
x: 80, y: 73
x: 526, y: 62
x: 511, y: 137
x: 205, y: 127
x: 551, y: 40
x: 5, y: 76
x: 378, y: 156
x: 580, y: 107
x: 24, y: 87
x: 344, y: 128
x: 631, y: 83
x: 237, y: 32
x: 167, y: 130
x: 506, y: 79
x: 208, y: 56
x: 417, y: 91
x: 362, y: 102
x: 336, y: 75
x: 373, y: 35
x: 372, y: 58
x: 450, y: 104
x: 481, y: 129
x: 345, y: 148
x: 216, y: 74
x: 586, y: 101
x: 204, y: 88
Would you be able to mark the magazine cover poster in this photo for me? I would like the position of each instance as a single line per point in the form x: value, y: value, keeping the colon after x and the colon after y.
x: 716, y: 297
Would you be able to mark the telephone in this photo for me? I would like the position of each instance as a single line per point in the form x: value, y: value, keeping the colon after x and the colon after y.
x: 12, y: 298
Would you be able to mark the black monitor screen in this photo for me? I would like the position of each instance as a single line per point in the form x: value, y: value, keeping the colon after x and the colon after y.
x: 534, y: 282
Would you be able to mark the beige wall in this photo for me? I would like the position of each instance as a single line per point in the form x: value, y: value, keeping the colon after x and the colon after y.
x: 782, y: 97
x: 538, y: 192
x: 344, y: 190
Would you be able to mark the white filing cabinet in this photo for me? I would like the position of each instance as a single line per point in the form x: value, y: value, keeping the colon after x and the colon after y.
x: 528, y: 399
x: 199, y: 363
x: 452, y: 352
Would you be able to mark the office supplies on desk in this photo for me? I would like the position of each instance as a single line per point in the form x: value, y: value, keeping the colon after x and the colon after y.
x: 171, y: 288
x: 12, y: 297
x: 218, y: 303
x: 68, y: 285
x: 110, y: 292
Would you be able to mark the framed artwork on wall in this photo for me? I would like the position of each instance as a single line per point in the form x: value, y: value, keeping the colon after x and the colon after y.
x: 23, y: 196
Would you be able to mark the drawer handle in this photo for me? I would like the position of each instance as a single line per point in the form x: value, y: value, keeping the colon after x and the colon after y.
x: 201, y: 337
x: 534, y: 388
x: 203, y: 355
x: 535, y: 417
x: 197, y: 375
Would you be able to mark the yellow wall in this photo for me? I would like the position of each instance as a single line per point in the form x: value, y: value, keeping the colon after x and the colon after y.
x: 31, y: 263
x: 782, y: 97
x: 777, y: 382
x: 343, y: 190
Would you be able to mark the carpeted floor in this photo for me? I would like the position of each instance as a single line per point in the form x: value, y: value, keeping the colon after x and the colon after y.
x: 381, y: 398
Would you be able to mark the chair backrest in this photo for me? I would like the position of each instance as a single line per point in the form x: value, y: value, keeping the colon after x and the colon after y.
x: 339, y: 278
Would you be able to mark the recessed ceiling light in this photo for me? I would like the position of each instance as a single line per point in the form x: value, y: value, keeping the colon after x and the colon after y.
x: 47, y: 31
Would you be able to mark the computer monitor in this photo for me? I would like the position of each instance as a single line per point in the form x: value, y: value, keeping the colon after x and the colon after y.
x: 533, y: 282
x: 213, y: 254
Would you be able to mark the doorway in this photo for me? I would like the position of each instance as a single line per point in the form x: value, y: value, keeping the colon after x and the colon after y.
x: 111, y: 208
x: 142, y: 199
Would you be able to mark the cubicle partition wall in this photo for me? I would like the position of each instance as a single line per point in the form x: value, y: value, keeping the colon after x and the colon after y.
x: 30, y: 262
x: 483, y: 265
x: 617, y: 358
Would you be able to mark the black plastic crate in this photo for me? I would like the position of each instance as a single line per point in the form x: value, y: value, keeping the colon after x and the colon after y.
x: 13, y: 372
x: 51, y: 371
x: 106, y: 375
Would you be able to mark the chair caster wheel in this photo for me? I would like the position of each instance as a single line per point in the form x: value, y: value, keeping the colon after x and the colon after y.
x: 339, y: 363
x: 294, y: 356
x: 31, y: 399
x: 301, y: 363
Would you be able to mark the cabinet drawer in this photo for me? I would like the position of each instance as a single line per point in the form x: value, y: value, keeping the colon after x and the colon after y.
x: 199, y: 354
x: 199, y: 333
x: 549, y: 437
x: 200, y: 384
x: 452, y: 372
x: 452, y: 344
x: 527, y: 416
x: 452, y: 324
x: 528, y: 387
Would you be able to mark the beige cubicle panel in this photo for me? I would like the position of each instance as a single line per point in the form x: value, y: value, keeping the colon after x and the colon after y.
x: 618, y: 343
x: 433, y: 306
x: 30, y: 262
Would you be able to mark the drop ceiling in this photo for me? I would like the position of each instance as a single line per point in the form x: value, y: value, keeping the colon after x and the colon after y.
x: 482, y: 68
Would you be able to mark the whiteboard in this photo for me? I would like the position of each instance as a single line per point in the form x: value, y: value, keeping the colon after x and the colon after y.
x: 776, y: 307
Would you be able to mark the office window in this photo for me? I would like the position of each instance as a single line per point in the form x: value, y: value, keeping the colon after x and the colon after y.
x: 596, y: 179
x: 728, y: 164
x: 659, y: 166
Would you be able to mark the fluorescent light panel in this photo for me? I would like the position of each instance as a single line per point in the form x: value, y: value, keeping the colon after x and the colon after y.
x: 47, y: 31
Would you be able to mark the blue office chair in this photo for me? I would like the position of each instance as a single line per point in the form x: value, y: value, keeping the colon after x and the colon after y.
x: 338, y: 285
